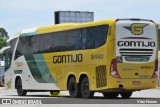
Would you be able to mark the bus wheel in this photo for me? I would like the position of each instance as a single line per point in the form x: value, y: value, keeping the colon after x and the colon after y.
x: 74, y: 88
x: 85, y: 91
x: 54, y: 92
x: 126, y: 95
x: 20, y: 91
x: 110, y: 95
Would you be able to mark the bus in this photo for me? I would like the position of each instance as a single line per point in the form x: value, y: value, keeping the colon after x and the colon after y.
x: 113, y: 57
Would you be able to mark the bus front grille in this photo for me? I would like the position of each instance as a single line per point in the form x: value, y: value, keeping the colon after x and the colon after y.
x: 101, y: 76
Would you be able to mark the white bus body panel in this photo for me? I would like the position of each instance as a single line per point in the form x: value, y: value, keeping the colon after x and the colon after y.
x: 28, y: 81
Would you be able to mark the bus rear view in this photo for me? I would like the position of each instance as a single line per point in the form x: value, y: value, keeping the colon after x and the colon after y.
x: 135, y: 66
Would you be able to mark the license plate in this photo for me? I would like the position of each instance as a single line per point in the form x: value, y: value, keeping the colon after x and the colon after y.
x: 136, y: 83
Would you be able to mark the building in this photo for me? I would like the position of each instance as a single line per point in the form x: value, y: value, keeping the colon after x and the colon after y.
x: 73, y: 16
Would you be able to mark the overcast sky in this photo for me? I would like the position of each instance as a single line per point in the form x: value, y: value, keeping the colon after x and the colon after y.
x: 17, y: 15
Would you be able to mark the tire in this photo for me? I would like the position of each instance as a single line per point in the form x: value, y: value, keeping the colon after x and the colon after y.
x: 126, y: 95
x: 20, y: 90
x: 54, y: 92
x: 110, y: 95
x: 74, y: 88
x: 85, y: 91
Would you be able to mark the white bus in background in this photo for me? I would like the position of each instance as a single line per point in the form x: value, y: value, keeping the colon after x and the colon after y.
x: 1, y: 71
x: 2, y: 66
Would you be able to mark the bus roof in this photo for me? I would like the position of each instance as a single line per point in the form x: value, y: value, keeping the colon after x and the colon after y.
x: 66, y: 26
x: 60, y: 27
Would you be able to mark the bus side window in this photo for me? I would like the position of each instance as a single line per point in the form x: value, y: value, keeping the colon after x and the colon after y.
x: 28, y: 46
x: 100, y: 35
x: 73, y: 41
x: 88, y: 39
x: 59, y: 41
x: 35, y: 44
x: 20, y: 47
x: 46, y: 43
x: 78, y: 40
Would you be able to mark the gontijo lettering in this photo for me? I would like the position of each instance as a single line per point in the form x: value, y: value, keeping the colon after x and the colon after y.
x: 67, y: 58
x: 136, y: 44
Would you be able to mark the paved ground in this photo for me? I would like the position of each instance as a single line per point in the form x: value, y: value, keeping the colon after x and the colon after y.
x: 152, y: 95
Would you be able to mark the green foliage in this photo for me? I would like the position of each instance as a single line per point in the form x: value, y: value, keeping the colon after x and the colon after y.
x: 2, y: 42
x: 3, y: 37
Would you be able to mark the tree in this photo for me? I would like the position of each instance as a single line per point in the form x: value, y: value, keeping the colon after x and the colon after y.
x: 3, y: 37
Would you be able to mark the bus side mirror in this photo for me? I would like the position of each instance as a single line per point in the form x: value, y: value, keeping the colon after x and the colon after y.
x: 4, y: 49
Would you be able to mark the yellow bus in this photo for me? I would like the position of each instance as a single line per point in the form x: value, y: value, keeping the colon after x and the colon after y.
x: 116, y: 56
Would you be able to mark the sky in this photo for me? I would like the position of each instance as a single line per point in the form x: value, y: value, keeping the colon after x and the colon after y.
x: 17, y: 15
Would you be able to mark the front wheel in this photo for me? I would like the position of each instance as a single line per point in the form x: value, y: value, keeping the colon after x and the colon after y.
x: 85, y: 91
x: 126, y: 95
x: 20, y: 90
